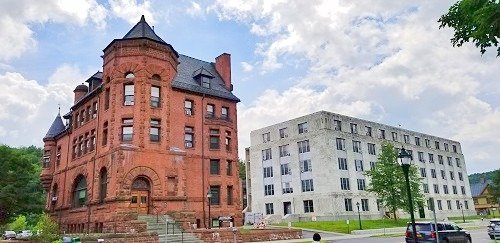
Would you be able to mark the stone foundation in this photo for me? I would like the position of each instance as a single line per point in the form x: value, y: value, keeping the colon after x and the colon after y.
x: 246, y: 235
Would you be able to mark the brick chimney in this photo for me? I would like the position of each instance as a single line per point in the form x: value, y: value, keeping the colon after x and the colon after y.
x: 80, y: 91
x: 223, y: 67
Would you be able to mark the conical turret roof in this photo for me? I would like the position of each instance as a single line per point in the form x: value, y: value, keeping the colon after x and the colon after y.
x: 143, y: 30
x: 56, y: 128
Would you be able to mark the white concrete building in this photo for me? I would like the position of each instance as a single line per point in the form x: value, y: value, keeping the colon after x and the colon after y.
x: 313, y: 166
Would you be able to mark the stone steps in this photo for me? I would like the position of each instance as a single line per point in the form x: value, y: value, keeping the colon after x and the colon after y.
x: 174, y: 231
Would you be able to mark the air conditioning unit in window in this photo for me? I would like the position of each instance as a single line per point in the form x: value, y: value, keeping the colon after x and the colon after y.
x: 54, y: 199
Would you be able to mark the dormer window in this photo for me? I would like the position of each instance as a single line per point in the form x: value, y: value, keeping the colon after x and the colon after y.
x: 203, y: 76
x: 205, y: 82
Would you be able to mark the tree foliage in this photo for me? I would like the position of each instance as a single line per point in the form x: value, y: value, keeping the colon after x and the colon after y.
x: 496, y: 185
x: 242, y: 169
x: 478, y: 20
x: 48, y: 228
x: 19, y: 223
x: 20, y: 188
x: 388, y: 182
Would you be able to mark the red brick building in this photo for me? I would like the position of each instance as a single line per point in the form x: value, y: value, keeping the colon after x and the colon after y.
x: 151, y: 134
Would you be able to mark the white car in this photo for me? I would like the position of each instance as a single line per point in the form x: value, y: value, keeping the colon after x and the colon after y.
x: 494, y: 228
x: 25, y: 234
x: 9, y: 235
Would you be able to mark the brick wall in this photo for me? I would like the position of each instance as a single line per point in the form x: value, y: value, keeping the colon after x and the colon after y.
x: 253, y: 235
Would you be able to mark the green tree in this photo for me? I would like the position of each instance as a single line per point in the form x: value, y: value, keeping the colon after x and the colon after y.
x: 496, y: 185
x: 388, y: 181
x: 19, y: 223
x: 242, y: 169
x: 478, y: 20
x: 48, y: 228
x: 20, y: 188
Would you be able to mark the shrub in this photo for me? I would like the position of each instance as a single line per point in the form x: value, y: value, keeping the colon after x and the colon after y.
x: 48, y: 229
x: 19, y: 223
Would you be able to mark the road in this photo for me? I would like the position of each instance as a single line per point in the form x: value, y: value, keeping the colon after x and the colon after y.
x: 477, y: 235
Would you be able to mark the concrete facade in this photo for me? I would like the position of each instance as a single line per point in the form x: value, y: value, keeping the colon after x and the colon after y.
x: 125, y: 152
x: 314, y: 138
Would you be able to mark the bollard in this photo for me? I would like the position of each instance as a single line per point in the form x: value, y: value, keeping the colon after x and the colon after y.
x: 100, y: 240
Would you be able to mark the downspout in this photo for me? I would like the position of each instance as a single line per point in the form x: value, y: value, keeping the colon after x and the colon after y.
x: 89, y: 212
x: 65, y: 173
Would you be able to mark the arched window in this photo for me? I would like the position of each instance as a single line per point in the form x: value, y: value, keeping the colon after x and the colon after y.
x: 80, y: 192
x: 156, y: 77
x: 129, y: 75
x: 103, y: 184
x: 140, y: 183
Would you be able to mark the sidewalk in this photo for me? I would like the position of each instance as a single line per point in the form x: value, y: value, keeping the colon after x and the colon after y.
x: 357, y: 234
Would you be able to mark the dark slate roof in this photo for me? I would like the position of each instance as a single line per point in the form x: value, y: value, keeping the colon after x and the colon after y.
x: 82, y: 88
x: 202, y: 71
x: 477, y: 188
x: 142, y: 29
x: 56, y: 128
x: 97, y: 75
x: 185, y: 80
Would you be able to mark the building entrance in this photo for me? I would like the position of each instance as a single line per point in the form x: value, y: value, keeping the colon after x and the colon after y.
x: 287, y: 208
x: 139, y: 200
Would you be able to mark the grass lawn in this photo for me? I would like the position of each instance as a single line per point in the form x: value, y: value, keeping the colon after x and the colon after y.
x: 457, y: 219
x: 341, y: 226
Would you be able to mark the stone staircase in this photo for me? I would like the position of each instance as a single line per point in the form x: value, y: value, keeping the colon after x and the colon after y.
x: 175, y: 232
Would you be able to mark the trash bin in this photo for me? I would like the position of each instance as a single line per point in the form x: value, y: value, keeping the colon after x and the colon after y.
x: 75, y: 240
x: 66, y: 239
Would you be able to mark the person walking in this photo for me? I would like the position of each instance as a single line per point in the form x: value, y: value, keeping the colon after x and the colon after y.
x: 316, y: 238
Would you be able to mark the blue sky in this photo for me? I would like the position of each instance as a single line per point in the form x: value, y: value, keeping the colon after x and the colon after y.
x: 380, y: 61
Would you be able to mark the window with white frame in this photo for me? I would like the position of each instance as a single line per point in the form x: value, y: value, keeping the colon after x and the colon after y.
x: 446, y: 148
x: 436, y: 188
x: 450, y: 163
x: 417, y: 141
x: 440, y: 159
x: 381, y: 133
x: 340, y: 143
x: 266, y: 137
x: 371, y: 148
x: 307, y: 185
x: 423, y: 172
x: 425, y: 187
x: 431, y: 158
x: 269, y: 208
x: 305, y: 165
x: 337, y: 125
x: 443, y: 175
x: 268, y: 171
x: 283, y: 133
x: 421, y: 157
x: 445, y: 189
x: 302, y: 127
x: 342, y: 163
x: 344, y: 184
x: 285, y: 169
x: 303, y: 146
x: 284, y: 150
x: 452, y: 175
x: 433, y: 173
x: 427, y: 143
x: 454, y: 189
x: 364, y: 205
x: 457, y: 160
x: 361, y: 184
x: 266, y: 154
x: 308, y: 206
x: 287, y: 187
x: 394, y: 136
x: 354, y: 128
x: 436, y: 144
x: 368, y: 131
x: 359, y: 165
x: 269, y: 190
x: 460, y: 176
x: 406, y: 138
x: 188, y: 107
x: 462, y: 188
x: 372, y: 165
x: 356, y: 146
x: 348, y: 204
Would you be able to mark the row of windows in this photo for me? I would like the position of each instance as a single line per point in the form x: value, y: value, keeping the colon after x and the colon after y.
x: 425, y: 188
x: 309, y: 206
x: 394, y: 135
x: 210, y: 110
x: 79, y: 191
x: 305, y: 166
x: 216, y: 170
x: 440, y: 159
x: 215, y: 192
x: 85, y: 115
x: 423, y: 173
x: 83, y: 144
x: 458, y: 204
x: 303, y: 128
x: 302, y: 146
x: 307, y: 185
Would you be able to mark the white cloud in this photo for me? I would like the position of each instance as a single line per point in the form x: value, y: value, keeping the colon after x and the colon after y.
x: 17, y: 16
x: 195, y: 10
x: 247, y: 67
x: 384, y: 61
x: 131, y: 10
x: 28, y: 107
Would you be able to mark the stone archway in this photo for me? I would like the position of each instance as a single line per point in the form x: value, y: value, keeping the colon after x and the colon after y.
x: 154, y: 179
x: 140, y: 193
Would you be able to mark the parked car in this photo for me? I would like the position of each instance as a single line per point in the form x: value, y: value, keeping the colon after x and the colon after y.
x: 9, y: 235
x: 494, y: 228
x: 448, y: 232
x: 24, y: 234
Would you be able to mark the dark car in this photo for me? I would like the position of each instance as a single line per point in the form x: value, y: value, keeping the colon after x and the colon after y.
x: 494, y: 228
x: 448, y: 232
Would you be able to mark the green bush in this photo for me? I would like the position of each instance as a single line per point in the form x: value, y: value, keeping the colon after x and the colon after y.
x: 48, y: 229
x: 19, y: 223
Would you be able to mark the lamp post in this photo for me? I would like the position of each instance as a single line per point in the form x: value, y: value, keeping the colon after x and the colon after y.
x: 209, y: 198
x: 462, y: 207
x: 359, y: 216
x: 406, y: 159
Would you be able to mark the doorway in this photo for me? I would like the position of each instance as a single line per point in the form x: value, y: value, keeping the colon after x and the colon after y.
x: 139, y: 200
x: 421, y: 211
x: 287, y: 208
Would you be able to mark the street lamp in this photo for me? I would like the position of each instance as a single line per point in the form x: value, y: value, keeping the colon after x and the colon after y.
x: 359, y: 217
x: 209, y: 197
x: 462, y: 207
x: 406, y: 159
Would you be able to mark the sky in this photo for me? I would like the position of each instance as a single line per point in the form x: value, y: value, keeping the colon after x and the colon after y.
x: 385, y: 61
